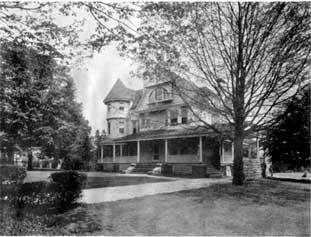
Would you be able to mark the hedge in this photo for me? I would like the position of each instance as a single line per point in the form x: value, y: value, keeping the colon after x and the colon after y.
x: 61, y: 194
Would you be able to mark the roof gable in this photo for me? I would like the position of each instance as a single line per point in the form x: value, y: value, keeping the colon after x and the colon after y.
x: 120, y: 92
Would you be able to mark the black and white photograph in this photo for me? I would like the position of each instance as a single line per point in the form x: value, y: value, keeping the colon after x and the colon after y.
x: 155, y: 118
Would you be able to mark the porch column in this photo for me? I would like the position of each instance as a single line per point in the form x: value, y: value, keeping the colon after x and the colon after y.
x: 114, y: 153
x: 121, y: 150
x: 232, y: 153
x: 257, y: 147
x: 138, y: 151
x: 200, y: 150
x: 102, y: 153
x: 166, y: 151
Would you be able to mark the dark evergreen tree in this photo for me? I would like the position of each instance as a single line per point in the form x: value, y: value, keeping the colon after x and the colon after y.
x: 288, y: 141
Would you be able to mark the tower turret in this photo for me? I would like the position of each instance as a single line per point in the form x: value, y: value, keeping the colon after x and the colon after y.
x: 118, y: 101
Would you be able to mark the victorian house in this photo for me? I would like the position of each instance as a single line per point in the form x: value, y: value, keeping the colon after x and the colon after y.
x: 155, y: 126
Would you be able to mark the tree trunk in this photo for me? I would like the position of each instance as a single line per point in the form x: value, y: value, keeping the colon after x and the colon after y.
x: 29, y: 160
x: 238, y: 174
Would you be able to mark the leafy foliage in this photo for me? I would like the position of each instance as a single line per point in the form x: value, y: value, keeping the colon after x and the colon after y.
x: 38, y: 105
x: 69, y: 187
x: 10, y: 174
x: 288, y: 141
x: 59, y: 195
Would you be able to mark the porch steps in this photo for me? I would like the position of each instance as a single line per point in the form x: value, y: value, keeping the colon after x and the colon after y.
x: 212, y: 172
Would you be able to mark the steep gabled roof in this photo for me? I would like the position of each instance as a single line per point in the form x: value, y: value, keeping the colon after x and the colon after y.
x: 120, y: 92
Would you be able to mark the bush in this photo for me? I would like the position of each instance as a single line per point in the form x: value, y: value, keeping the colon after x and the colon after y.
x: 68, y: 185
x: 73, y: 164
x: 59, y: 195
x: 10, y: 174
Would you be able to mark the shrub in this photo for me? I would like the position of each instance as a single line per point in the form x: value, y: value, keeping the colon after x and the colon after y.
x: 10, y: 174
x: 59, y: 195
x: 68, y: 185
x: 72, y: 164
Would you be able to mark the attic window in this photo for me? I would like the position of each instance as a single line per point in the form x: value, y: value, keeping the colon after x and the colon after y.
x: 158, y: 94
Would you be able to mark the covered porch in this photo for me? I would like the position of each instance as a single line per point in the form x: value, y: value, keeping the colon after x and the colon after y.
x: 182, y: 149
x: 181, y: 146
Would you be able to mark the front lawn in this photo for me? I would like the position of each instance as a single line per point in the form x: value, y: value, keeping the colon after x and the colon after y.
x: 269, y: 208
x: 259, y: 208
x: 39, y: 221
x: 111, y: 181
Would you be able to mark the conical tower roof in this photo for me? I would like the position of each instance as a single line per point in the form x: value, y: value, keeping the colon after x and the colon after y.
x: 119, y: 92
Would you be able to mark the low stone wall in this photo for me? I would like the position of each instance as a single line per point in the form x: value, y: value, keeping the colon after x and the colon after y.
x: 252, y: 168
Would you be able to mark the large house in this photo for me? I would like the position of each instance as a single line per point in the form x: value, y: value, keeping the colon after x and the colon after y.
x: 154, y: 125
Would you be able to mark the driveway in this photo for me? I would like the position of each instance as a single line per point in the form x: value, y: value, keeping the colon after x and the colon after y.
x: 109, y: 194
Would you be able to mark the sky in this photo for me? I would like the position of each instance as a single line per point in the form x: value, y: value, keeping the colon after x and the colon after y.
x: 96, y: 78
x: 97, y: 75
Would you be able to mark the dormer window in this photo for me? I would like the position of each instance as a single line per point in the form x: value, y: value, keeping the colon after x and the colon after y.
x: 158, y: 94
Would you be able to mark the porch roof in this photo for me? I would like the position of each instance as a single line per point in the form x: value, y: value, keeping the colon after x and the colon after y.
x: 168, y: 133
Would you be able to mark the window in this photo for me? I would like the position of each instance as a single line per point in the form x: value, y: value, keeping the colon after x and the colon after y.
x: 156, y: 151
x: 118, y: 150
x: 134, y: 125
x: 159, y: 94
x: 109, y: 127
x: 145, y: 123
x: 125, y: 150
x: 174, y: 117
x: 132, y: 148
x: 184, y: 115
x: 121, y: 108
x: 109, y: 108
x: 121, y: 130
x: 108, y: 151
x: 183, y: 146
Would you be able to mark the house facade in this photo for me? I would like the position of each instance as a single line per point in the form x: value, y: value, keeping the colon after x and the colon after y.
x: 154, y: 125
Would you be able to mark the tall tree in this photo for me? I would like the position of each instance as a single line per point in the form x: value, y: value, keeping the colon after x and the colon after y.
x: 251, y: 57
x: 38, y: 105
x: 288, y: 141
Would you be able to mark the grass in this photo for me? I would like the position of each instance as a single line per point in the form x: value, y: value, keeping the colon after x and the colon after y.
x: 258, y: 208
x: 112, y: 181
x: 272, y: 208
x: 36, y: 221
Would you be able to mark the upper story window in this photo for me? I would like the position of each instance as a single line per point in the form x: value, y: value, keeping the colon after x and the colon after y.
x: 174, y: 117
x: 109, y: 108
x: 145, y: 123
x: 109, y: 127
x: 184, y: 115
x: 121, y: 127
x: 135, y: 126
x: 158, y: 94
